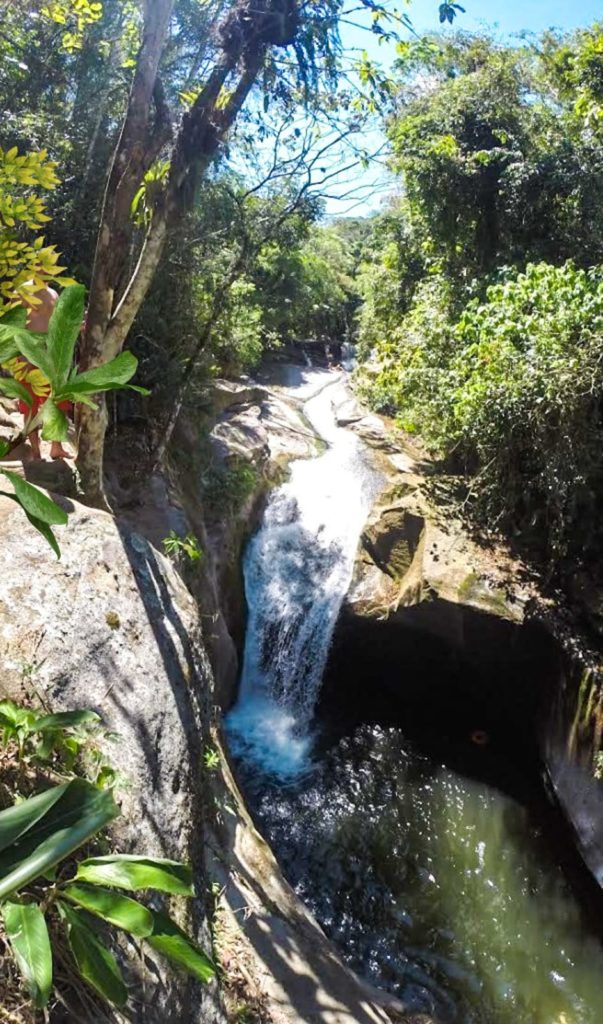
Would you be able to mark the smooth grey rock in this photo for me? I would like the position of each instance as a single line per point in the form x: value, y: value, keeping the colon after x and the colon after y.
x: 111, y: 627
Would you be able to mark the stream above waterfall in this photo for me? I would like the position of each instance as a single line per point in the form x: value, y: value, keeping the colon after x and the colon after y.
x: 436, y: 874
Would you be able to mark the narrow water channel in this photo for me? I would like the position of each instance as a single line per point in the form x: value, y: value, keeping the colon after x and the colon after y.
x: 433, y: 882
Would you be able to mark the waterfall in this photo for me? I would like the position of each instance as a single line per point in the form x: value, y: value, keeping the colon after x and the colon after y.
x: 348, y: 356
x: 297, y: 570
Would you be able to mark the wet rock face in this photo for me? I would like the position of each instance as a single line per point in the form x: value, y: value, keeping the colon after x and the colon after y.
x: 408, y: 559
x: 392, y: 539
x: 572, y: 732
x: 429, y: 607
x: 111, y: 627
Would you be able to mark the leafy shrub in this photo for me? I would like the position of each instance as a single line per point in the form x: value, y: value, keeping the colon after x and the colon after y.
x: 188, y: 546
x: 52, y: 353
x: 52, y: 896
x: 226, y: 487
x: 514, y: 390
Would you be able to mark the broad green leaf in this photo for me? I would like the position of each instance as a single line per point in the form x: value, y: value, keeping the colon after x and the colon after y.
x: 8, y: 344
x: 28, y: 936
x: 4, y: 448
x: 65, y: 720
x: 114, y: 374
x: 81, y: 812
x: 127, y: 871
x: 17, y: 820
x: 95, y: 963
x: 63, y: 329
x: 35, y: 501
x: 46, y: 532
x: 33, y: 347
x: 121, y: 911
x: 169, y: 940
x: 16, y: 714
x: 38, y: 524
x: 12, y: 336
x: 55, y: 426
x: 14, y: 389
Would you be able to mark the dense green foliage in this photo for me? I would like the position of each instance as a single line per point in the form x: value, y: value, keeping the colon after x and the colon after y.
x: 481, y: 328
x: 54, y: 887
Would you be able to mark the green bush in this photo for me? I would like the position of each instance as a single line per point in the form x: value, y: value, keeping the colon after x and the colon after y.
x: 513, y: 390
x: 57, y: 895
x: 226, y: 486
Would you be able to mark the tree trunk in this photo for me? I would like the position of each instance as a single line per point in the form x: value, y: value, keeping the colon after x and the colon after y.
x: 246, y: 34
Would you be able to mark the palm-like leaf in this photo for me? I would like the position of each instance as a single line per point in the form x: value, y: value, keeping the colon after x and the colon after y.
x: 94, y: 962
x: 28, y: 936
x: 126, y: 871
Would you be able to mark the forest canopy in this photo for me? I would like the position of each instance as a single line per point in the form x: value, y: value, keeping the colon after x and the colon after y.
x: 481, y: 323
x: 179, y: 157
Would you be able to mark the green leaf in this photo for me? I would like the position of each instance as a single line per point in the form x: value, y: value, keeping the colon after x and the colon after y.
x: 4, y: 448
x: 127, y: 871
x: 169, y: 940
x: 17, y: 820
x: 16, y: 714
x: 33, y: 347
x: 14, y: 389
x: 28, y: 936
x: 46, y: 532
x: 121, y: 911
x: 55, y: 426
x: 95, y: 963
x: 114, y: 374
x: 65, y: 720
x: 8, y: 344
x: 81, y: 812
x: 35, y: 501
x: 63, y: 330
x: 38, y: 524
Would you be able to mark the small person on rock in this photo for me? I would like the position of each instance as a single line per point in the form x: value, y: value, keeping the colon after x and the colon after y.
x: 32, y: 377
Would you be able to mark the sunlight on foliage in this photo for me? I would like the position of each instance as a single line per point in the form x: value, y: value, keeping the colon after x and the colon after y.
x: 75, y: 15
x: 26, y: 266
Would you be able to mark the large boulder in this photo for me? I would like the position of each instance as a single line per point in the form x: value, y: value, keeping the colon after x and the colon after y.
x: 409, y: 559
x: 111, y: 627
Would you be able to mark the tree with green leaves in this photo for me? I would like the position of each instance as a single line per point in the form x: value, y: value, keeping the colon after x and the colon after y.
x: 482, y: 284
x: 241, y: 47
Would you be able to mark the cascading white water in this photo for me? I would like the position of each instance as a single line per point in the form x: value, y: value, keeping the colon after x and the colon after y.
x: 298, y: 568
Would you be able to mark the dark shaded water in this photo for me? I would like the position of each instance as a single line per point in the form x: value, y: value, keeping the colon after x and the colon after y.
x: 438, y: 887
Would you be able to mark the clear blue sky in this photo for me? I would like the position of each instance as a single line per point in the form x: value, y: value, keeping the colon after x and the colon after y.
x: 511, y: 16
x: 506, y: 18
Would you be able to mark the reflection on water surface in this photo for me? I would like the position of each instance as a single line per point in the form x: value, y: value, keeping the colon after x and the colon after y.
x: 435, y: 886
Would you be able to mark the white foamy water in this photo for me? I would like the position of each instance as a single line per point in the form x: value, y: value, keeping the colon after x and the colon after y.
x: 298, y: 568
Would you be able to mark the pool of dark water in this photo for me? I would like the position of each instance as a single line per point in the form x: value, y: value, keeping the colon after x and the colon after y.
x: 434, y: 881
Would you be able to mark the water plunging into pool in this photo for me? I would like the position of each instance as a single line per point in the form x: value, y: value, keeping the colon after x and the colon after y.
x: 298, y: 568
x: 434, y: 884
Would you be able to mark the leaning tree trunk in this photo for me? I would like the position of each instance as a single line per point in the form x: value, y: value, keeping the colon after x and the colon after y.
x: 248, y: 31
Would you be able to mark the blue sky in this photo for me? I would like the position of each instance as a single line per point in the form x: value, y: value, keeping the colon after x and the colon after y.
x: 506, y: 17
x: 513, y: 15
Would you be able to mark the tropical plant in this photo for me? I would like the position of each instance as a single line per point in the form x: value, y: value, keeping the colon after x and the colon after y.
x: 52, y: 900
x: 39, y: 735
x: 188, y: 546
x: 511, y: 388
x: 52, y: 354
